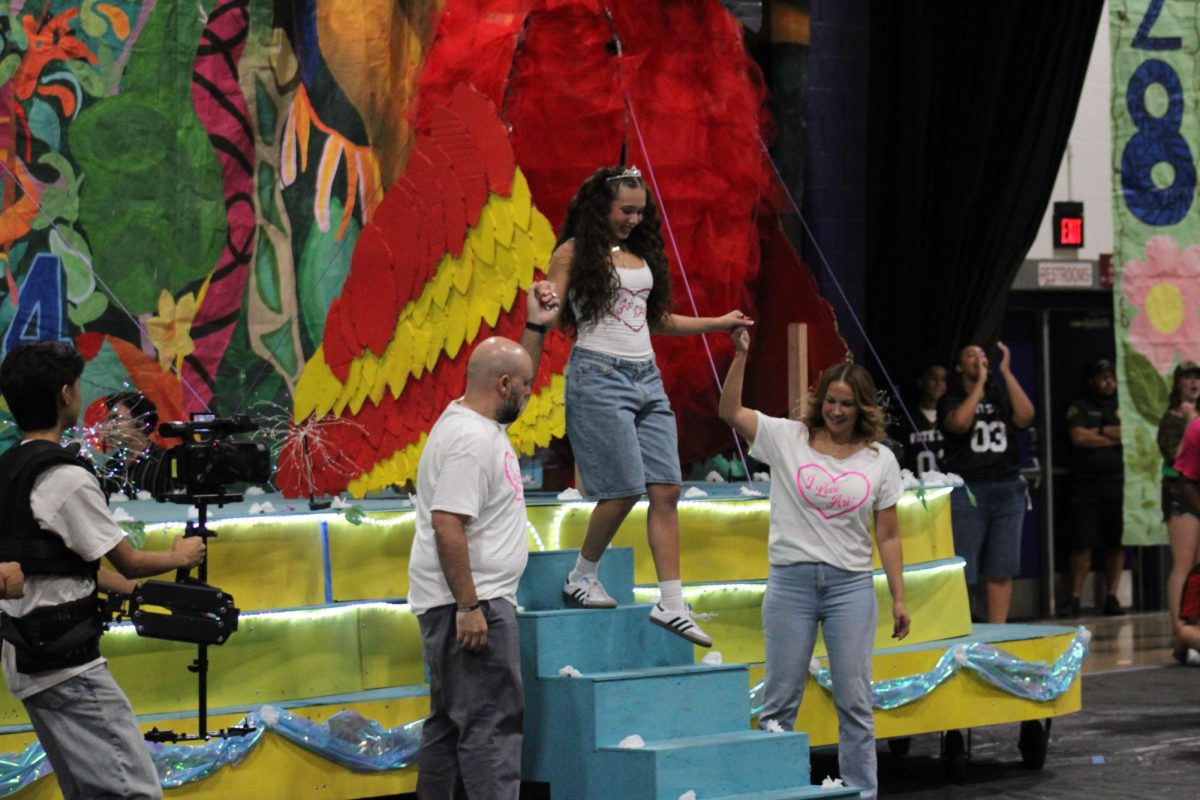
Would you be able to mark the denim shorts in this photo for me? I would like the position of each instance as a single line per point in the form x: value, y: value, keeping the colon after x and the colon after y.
x: 988, y: 534
x: 620, y: 425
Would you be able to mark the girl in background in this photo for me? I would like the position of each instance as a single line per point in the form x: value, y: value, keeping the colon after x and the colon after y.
x: 1183, y: 526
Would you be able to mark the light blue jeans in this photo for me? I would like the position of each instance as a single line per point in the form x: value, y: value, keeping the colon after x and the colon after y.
x: 800, y: 597
x: 89, y: 733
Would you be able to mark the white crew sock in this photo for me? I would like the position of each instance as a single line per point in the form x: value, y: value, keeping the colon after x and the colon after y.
x: 583, y: 568
x: 672, y: 595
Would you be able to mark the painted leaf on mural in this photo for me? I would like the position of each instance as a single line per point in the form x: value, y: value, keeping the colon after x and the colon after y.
x: 1147, y: 389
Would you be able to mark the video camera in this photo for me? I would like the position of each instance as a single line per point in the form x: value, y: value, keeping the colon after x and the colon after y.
x: 206, y: 462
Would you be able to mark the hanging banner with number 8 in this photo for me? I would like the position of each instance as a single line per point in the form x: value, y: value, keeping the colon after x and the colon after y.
x: 1156, y: 225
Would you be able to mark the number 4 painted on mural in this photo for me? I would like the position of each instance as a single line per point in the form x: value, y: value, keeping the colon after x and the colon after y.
x: 41, y: 305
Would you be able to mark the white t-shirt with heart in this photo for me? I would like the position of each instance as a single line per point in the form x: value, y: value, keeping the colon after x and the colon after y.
x: 821, y: 505
x: 468, y: 467
x: 623, y: 331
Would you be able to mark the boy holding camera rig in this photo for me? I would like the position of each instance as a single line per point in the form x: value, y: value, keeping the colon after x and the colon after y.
x: 54, y: 522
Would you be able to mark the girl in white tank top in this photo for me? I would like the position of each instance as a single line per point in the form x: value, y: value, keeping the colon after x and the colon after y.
x: 623, y: 330
x: 611, y: 269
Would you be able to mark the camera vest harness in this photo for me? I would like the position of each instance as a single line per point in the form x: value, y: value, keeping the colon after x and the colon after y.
x: 59, y: 636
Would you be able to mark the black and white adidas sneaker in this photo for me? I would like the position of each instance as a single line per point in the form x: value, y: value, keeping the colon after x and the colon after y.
x: 587, y: 592
x: 680, y: 623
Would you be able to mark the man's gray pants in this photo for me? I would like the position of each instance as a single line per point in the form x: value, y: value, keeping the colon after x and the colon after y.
x: 88, y: 731
x: 471, y: 742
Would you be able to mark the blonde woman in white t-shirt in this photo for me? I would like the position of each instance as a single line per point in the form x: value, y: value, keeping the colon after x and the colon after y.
x: 611, y: 269
x: 828, y: 478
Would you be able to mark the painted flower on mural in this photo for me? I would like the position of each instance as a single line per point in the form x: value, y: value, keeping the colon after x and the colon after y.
x: 170, y: 329
x: 339, y: 157
x: 49, y: 42
x: 1165, y: 291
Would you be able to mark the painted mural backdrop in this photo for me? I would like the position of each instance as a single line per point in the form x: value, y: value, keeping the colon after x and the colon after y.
x: 1156, y: 137
x: 308, y: 211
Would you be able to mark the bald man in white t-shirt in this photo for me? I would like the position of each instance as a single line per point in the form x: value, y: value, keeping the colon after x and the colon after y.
x: 467, y: 557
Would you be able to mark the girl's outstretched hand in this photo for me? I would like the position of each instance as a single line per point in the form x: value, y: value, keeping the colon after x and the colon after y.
x: 734, y: 319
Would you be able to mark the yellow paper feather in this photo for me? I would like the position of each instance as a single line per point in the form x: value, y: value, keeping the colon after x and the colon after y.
x: 368, y: 375
x: 443, y: 280
x: 462, y: 269
x: 456, y: 323
x: 420, y: 307
x: 502, y: 218
x: 420, y: 350
x: 483, y: 235
x: 522, y: 201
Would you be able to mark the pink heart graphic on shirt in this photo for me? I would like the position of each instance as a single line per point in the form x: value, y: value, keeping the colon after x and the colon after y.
x: 831, y: 496
x: 512, y: 471
x: 628, y: 306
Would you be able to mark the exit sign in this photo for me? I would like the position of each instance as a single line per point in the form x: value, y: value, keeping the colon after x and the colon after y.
x: 1068, y: 224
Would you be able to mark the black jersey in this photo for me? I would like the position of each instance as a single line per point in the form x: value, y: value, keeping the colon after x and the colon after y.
x: 988, y: 450
x: 923, y: 448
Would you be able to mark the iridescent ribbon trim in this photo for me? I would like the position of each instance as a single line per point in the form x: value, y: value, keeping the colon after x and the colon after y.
x: 362, y: 745
x: 1032, y: 680
x: 348, y: 739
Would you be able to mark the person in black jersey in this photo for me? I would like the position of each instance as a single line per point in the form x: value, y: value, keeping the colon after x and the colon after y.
x: 980, y: 420
x: 923, y: 447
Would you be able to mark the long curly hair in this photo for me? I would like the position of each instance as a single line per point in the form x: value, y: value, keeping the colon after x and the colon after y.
x: 594, y: 282
x: 868, y: 425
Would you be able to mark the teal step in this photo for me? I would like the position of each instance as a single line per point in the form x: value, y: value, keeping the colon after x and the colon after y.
x: 743, y: 762
x: 655, y: 704
x: 799, y: 793
x: 596, y: 640
x: 614, y: 649
x: 636, y: 678
x: 542, y: 584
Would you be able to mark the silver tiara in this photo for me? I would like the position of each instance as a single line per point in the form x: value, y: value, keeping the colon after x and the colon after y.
x: 630, y: 173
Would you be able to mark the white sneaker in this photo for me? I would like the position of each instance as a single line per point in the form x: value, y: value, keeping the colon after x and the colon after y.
x: 1186, y: 656
x: 587, y: 592
x: 680, y: 623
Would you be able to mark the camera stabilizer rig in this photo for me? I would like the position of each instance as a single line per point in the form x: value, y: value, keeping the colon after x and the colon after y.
x: 201, y: 467
x: 197, y: 613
